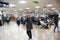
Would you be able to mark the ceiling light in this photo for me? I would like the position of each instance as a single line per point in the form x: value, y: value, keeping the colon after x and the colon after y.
x: 37, y: 7
x: 20, y: 9
x: 22, y: 1
x: 11, y: 5
x: 27, y: 8
x: 49, y: 5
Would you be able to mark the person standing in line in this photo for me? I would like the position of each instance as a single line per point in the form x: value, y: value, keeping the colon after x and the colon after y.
x: 29, y: 26
x: 56, y: 22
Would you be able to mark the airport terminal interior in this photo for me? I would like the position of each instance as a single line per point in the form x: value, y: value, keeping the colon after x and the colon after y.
x: 29, y: 19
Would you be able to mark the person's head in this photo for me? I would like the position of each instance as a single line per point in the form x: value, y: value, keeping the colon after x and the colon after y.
x: 28, y: 16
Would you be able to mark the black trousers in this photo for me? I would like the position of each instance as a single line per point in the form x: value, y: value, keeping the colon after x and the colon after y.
x: 7, y: 22
x: 56, y: 26
x: 18, y: 24
x: 29, y: 34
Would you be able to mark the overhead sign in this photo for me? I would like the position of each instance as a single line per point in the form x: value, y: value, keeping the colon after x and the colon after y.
x: 3, y: 4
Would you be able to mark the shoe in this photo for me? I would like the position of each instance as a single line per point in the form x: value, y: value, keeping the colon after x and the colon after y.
x: 28, y: 39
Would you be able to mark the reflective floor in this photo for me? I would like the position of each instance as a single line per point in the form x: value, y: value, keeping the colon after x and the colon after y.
x: 14, y: 32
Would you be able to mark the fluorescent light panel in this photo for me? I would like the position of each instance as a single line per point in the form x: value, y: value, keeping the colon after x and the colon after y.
x: 37, y: 7
x: 49, y: 5
x: 27, y: 8
x: 22, y: 1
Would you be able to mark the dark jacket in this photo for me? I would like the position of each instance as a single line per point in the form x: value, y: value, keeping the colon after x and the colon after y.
x: 22, y: 20
x: 18, y: 21
x: 29, y: 24
x: 56, y: 19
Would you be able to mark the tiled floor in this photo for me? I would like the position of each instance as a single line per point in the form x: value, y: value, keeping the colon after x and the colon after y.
x: 13, y: 32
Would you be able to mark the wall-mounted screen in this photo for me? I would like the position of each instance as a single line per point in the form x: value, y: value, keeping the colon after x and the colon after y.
x: 3, y: 4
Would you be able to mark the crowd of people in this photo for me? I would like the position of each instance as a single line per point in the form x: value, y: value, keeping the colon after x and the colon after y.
x: 29, y: 21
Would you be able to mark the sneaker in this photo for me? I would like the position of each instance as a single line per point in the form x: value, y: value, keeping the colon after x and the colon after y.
x: 30, y: 39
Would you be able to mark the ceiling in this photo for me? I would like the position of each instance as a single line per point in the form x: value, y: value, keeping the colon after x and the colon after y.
x: 30, y: 4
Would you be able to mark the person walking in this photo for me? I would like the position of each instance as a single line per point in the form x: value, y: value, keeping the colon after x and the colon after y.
x: 56, y: 22
x: 29, y: 26
x: 18, y: 21
x: 8, y: 20
x: 22, y: 20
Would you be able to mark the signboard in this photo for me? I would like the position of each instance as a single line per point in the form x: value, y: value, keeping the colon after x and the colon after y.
x: 3, y: 4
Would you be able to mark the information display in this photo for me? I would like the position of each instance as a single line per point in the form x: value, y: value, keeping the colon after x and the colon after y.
x: 3, y: 4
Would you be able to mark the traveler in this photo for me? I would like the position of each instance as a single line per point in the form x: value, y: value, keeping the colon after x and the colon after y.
x: 8, y: 20
x: 18, y: 21
x: 29, y: 26
x: 22, y: 20
x: 56, y: 22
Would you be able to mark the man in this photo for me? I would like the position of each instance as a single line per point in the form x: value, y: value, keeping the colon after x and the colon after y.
x: 22, y: 20
x: 8, y: 20
x: 56, y: 22
x: 29, y: 27
x: 18, y: 21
